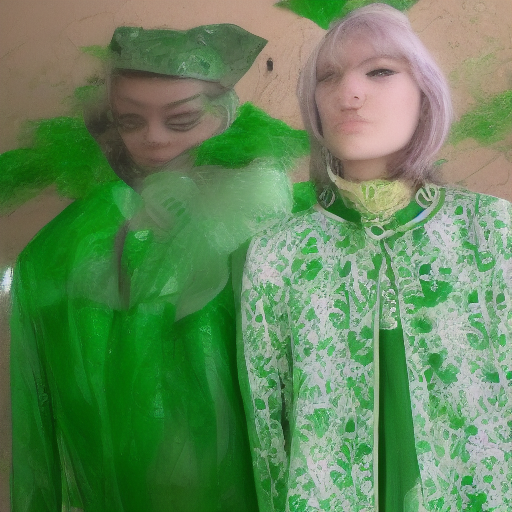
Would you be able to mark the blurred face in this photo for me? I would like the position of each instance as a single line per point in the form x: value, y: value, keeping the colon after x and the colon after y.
x: 369, y: 107
x: 160, y: 118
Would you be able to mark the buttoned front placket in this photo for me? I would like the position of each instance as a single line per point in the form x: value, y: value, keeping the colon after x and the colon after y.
x: 389, y: 359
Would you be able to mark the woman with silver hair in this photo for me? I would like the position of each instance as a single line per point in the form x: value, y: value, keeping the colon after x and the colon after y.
x: 377, y: 325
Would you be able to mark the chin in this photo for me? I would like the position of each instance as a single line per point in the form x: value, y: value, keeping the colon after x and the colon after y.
x: 152, y: 163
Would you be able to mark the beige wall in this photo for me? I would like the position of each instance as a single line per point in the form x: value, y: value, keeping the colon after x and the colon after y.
x: 41, y: 64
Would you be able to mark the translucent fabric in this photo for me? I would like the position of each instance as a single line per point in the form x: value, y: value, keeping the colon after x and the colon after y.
x: 192, y: 221
x: 117, y: 404
x: 124, y: 388
x: 124, y: 410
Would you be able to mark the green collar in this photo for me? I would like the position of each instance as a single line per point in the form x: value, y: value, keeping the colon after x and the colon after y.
x: 425, y: 204
x: 377, y: 200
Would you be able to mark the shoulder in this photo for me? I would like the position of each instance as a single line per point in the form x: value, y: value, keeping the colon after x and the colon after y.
x: 484, y: 222
x: 477, y: 203
x: 491, y: 215
x: 103, y: 209
x: 289, y: 230
x: 274, y: 251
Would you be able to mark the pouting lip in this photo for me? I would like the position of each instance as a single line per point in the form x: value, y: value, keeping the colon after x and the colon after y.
x: 350, y: 118
x: 350, y: 123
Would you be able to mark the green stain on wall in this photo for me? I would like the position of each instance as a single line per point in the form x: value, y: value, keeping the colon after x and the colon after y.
x: 474, y: 72
x: 323, y: 12
x: 98, y: 51
x: 490, y: 119
x: 489, y: 122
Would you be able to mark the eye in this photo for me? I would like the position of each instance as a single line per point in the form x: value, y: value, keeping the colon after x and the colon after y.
x: 381, y: 72
x: 129, y: 122
x: 325, y: 76
x: 184, y: 121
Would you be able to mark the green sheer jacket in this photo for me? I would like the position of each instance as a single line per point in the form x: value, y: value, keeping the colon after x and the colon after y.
x: 119, y: 407
x: 123, y: 368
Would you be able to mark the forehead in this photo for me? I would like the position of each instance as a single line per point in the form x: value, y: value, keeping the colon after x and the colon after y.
x: 155, y: 91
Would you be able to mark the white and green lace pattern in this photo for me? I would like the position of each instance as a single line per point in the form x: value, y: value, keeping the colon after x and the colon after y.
x: 316, y: 289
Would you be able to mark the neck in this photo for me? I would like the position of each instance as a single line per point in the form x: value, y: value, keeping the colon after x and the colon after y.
x: 365, y: 170
x: 376, y: 199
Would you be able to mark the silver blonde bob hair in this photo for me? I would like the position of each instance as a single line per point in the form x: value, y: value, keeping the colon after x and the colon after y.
x: 390, y: 33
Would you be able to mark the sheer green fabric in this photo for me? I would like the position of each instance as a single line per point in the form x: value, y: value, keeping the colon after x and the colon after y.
x: 128, y: 411
x: 124, y: 388
x: 192, y: 221
x: 117, y: 406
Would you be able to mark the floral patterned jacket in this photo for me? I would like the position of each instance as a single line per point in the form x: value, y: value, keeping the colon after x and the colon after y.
x: 316, y: 291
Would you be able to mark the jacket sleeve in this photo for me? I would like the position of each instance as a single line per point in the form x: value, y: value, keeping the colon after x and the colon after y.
x: 265, y: 376
x: 35, y: 478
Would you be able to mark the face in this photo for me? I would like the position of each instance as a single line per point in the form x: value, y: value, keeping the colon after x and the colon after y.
x: 159, y: 118
x: 369, y: 107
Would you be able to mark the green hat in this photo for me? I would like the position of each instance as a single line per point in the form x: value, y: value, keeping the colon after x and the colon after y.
x: 215, y: 53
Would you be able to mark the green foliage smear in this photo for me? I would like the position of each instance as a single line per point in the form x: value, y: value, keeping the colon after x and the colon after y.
x: 487, y: 123
x: 323, y: 12
x: 254, y: 134
x: 63, y: 153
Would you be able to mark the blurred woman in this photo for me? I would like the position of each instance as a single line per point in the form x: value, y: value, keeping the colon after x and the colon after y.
x: 124, y: 387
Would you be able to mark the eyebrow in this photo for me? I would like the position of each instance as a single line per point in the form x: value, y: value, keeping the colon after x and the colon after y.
x: 172, y: 104
x: 333, y: 65
x: 383, y: 56
x: 180, y: 102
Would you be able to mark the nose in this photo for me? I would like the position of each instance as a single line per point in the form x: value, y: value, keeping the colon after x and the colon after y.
x: 350, y: 92
x: 156, y: 134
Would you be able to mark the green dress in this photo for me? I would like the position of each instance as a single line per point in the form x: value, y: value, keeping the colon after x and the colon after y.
x: 119, y: 408
x: 123, y: 377
x: 343, y: 316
